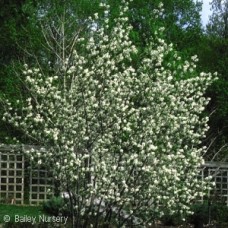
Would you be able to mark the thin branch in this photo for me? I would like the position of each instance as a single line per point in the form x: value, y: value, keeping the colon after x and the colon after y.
x: 224, y: 146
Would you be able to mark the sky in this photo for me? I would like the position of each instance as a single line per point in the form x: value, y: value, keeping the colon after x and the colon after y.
x: 205, y: 12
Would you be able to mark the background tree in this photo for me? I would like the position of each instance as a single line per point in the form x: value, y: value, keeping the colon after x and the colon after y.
x: 12, y: 20
x: 218, y: 24
x: 213, y: 55
x: 122, y: 139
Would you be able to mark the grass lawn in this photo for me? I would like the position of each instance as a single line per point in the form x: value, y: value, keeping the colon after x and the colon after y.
x: 12, y: 210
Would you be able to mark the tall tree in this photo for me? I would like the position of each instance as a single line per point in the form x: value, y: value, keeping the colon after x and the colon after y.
x: 122, y: 139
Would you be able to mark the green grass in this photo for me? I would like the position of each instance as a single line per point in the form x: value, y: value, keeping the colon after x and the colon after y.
x: 12, y: 210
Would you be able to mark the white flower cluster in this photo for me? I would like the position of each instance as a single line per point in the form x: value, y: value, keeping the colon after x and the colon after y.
x: 122, y: 136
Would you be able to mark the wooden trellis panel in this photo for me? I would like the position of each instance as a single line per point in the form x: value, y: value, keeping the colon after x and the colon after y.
x: 219, y: 173
x: 12, y: 177
x: 220, y: 179
x: 41, y: 186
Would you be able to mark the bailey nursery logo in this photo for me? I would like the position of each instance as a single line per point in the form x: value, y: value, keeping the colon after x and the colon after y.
x: 35, y: 219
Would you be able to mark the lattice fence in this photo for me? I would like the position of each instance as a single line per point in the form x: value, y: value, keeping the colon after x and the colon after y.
x: 16, y: 177
x: 12, y: 177
x: 219, y: 173
x: 41, y: 185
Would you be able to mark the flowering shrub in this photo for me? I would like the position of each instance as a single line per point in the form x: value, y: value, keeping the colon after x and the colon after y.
x: 122, y: 140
